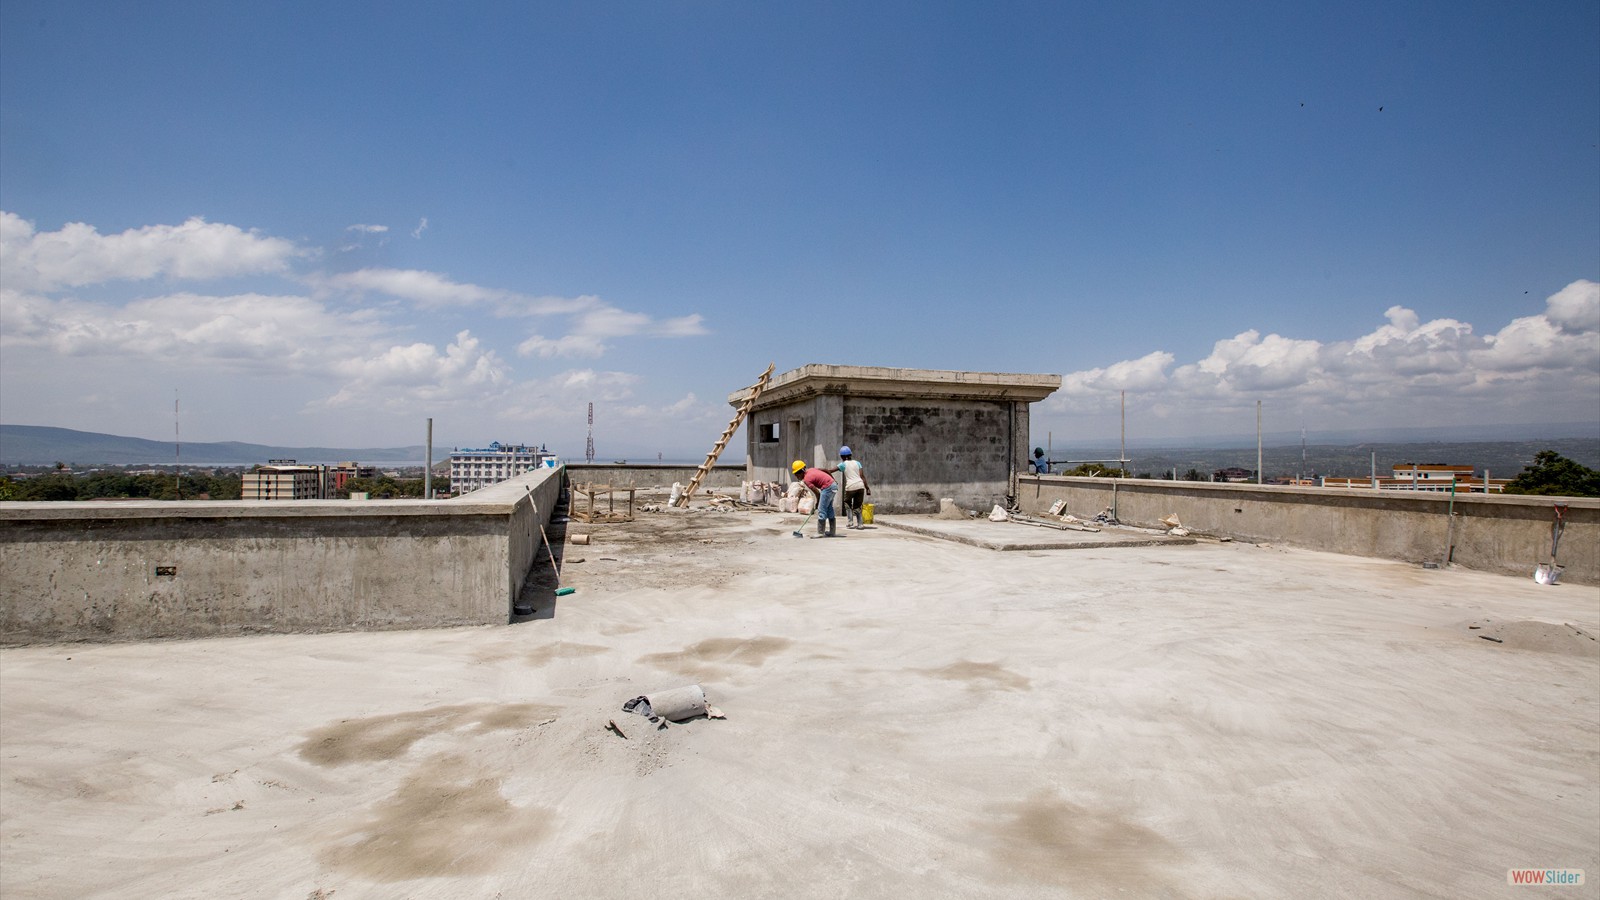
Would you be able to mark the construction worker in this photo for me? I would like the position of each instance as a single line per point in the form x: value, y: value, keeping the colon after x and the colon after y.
x: 855, y: 487
x: 823, y: 485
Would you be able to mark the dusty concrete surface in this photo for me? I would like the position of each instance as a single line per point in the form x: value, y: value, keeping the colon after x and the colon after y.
x: 906, y: 716
x: 1017, y: 535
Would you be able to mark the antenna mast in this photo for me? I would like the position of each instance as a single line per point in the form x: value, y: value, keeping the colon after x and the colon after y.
x: 588, y: 452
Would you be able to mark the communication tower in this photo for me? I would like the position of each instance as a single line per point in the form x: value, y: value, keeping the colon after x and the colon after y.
x: 588, y: 452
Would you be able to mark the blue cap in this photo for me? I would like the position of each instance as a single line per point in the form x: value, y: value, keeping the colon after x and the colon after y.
x: 844, y: 451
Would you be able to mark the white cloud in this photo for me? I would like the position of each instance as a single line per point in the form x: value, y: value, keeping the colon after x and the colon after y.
x: 594, y: 327
x: 1404, y: 370
x: 1249, y: 362
x: 431, y: 290
x: 595, y: 385
x: 241, y: 331
x: 328, y: 352
x: 78, y: 255
x: 1576, y: 307
x: 1145, y: 373
x: 421, y: 227
x: 1535, y: 342
x: 572, y: 345
x: 405, y: 376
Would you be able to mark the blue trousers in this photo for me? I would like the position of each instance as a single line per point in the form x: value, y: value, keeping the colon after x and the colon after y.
x: 825, y: 503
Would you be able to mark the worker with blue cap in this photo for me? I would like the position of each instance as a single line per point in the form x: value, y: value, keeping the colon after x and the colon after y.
x: 855, y: 486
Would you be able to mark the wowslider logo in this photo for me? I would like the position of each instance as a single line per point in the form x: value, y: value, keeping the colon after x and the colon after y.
x: 1546, y: 877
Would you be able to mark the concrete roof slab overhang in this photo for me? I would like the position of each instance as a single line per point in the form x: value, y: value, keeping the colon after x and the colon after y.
x: 878, y: 381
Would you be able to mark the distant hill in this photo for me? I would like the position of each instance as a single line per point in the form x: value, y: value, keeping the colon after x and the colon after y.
x: 37, y: 445
x: 1447, y: 434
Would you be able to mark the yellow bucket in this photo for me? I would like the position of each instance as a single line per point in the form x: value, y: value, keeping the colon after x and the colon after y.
x: 866, y: 513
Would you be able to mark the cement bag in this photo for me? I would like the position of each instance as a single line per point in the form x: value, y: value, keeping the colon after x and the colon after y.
x: 997, y: 514
x: 677, y: 492
x: 805, y: 505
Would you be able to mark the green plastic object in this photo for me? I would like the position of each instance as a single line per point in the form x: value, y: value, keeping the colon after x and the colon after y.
x: 562, y: 592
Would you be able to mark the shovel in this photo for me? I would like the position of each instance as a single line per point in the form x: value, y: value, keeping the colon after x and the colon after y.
x: 797, y: 531
x: 1551, y: 573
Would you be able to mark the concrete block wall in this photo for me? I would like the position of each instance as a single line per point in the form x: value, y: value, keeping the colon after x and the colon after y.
x: 916, y: 453
x: 104, y: 571
x: 1505, y: 534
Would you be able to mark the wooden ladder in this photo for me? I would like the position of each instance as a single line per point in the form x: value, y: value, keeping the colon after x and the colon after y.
x: 722, y: 442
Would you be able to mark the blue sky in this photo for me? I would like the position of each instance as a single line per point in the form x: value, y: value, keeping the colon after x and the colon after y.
x: 322, y: 223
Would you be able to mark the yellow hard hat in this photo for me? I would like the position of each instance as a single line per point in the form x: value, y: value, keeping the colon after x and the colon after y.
x: 798, y: 465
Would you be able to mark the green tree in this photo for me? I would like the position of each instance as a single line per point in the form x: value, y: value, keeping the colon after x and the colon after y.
x: 1554, y: 474
x: 1094, y: 470
x: 59, y: 486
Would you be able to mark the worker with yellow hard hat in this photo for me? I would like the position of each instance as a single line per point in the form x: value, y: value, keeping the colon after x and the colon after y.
x: 823, y: 485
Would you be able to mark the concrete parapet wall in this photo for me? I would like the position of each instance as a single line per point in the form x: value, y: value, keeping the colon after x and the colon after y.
x: 107, y: 571
x: 1498, y: 533
x: 722, y: 476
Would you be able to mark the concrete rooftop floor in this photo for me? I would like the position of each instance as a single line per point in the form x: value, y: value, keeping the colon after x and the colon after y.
x: 906, y: 716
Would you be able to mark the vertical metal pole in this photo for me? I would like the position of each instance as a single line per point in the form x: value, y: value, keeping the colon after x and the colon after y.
x: 1258, y: 442
x: 177, y: 448
x: 1374, y: 470
x: 427, y: 470
x: 1122, y: 458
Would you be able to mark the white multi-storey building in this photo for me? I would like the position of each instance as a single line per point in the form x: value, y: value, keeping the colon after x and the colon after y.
x: 473, y: 469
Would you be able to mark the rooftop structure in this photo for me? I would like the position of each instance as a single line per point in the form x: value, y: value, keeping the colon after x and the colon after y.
x: 931, y: 718
x: 922, y: 434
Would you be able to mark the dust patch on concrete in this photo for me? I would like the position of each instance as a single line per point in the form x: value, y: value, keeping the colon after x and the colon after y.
x: 979, y: 675
x: 562, y: 650
x: 1531, y: 634
x: 379, y: 738
x: 1046, y: 839
x: 446, y: 819
x: 753, y: 652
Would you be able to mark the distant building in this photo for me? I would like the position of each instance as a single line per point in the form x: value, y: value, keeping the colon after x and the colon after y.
x: 1425, y: 477
x: 472, y: 469
x: 339, y: 475
x: 1234, y: 474
x: 285, y: 480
